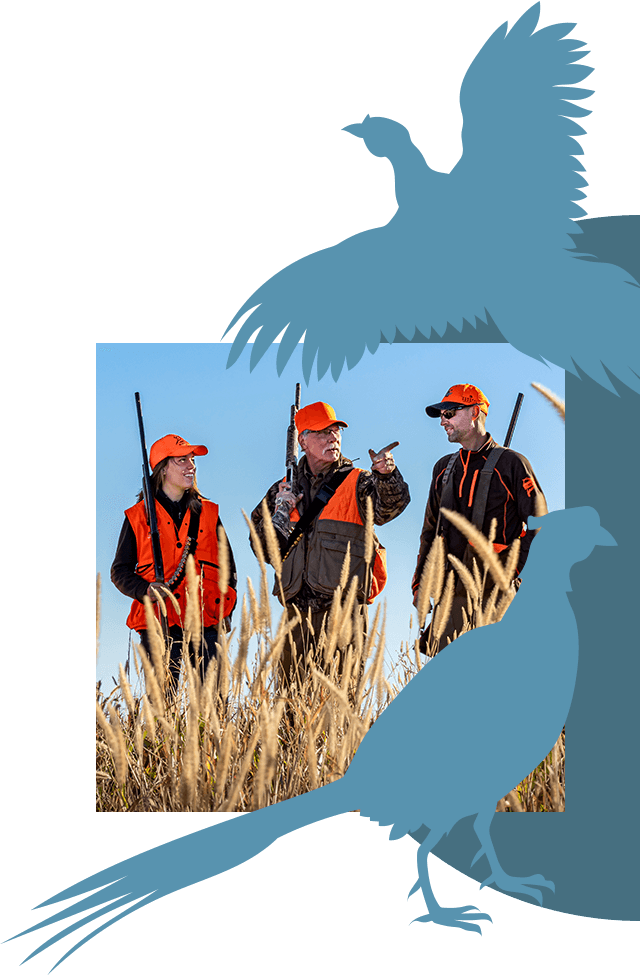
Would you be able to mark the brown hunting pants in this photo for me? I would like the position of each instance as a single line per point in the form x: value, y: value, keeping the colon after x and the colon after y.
x: 301, y: 650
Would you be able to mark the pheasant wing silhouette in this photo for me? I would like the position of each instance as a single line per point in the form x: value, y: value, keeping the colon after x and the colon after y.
x: 437, y: 754
x: 491, y: 237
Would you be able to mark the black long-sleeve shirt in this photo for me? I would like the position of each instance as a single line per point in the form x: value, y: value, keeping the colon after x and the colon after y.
x: 514, y: 494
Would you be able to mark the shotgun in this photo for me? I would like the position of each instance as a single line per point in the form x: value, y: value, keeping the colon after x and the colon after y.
x: 150, y: 508
x: 291, y: 459
x: 514, y: 419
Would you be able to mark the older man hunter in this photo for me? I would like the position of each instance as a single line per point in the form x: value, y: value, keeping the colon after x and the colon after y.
x: 312, y: 567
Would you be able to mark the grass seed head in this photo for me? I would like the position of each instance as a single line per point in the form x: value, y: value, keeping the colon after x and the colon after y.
x: 223, y: 562
x: 273, y: 548
x: 481, y: 544
x: 555, y: 400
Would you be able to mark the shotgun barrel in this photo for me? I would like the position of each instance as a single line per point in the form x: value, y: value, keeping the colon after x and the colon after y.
x: 149, y: 502
x: 514, y: 420
x: 150, y: 508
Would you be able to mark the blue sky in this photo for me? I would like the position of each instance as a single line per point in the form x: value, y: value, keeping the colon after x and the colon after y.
x: 242, y: 419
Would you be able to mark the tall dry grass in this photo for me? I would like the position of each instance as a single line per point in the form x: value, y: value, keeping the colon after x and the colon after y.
x: 235, y: 742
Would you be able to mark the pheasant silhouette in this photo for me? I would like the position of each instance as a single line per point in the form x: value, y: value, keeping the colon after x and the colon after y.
x: 433, y: 742
x: 489, y: 241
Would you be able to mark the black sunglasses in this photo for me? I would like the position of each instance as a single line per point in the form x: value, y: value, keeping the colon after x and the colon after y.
x: 449, y: 414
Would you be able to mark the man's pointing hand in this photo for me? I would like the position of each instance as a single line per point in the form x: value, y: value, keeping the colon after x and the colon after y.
x: 383, y: 461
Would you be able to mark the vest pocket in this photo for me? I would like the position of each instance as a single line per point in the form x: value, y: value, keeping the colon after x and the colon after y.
x: 213, y: 603
x: 292, y: 570
x: 331, y: 550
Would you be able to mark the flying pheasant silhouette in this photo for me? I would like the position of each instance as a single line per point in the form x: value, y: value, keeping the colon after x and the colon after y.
x: 434, y: 738
x: 490, y: 238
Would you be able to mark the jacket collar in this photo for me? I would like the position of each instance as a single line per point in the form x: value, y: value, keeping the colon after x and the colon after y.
x: 177, y: 509
x: 304, y: 469
x: 488, y: 445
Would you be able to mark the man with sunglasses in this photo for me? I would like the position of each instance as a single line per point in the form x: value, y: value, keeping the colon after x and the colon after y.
x: 512, y: 495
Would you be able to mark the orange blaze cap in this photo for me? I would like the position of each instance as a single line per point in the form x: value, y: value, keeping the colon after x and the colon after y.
x: 464, y: 394
x: 317, y: 416
x: 173, y: 446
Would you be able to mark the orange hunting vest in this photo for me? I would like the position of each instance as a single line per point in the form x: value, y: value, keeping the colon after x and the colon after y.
x: 172, y: 543
x: 318, y: 557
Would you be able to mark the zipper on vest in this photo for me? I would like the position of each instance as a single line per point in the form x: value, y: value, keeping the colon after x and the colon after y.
x: 473, y: 487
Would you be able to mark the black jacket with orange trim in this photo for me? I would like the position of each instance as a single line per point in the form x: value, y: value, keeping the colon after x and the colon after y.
x: 514, y: 494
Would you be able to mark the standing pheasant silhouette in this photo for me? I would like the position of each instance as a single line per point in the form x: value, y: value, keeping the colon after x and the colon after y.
x: 432, y: 743
x: 490, y: 238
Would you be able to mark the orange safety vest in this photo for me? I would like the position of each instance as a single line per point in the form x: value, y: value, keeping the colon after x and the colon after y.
x: 172, y: 544
x: 319, y: 555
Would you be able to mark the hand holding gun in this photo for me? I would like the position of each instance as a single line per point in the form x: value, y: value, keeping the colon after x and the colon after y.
x: 291, y: 459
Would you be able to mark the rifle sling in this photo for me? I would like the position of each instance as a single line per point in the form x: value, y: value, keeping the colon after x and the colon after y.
x: 189, y: 549
x: 325, y: 493
x: 482, y: 490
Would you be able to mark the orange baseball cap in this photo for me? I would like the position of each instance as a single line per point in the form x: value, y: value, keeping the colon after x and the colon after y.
x: 464, y: 394
x: 317, y: 416
x: 173, y: 446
